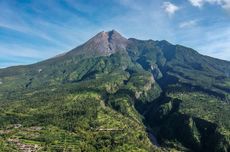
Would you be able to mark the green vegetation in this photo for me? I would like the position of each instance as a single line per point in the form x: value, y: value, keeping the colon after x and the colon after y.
x: 80, y: 102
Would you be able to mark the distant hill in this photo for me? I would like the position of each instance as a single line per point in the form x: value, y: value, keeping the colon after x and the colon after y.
x: 117, y: 94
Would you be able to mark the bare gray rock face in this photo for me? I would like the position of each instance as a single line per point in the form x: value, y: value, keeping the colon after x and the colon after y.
x: 104, y: 43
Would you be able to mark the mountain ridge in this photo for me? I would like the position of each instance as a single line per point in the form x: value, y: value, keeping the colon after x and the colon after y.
x: 117, y: 94
x: 105, y: 49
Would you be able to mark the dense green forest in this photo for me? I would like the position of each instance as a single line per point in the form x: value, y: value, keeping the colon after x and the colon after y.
x: 150, y: 96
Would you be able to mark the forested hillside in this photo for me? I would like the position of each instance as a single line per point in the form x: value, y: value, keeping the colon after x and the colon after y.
x: 117, y: 94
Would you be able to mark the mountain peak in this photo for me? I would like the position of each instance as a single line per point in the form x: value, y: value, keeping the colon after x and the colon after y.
x: 114, y: 33
x: 109, y: 33
x: 104, y: 43
x: 109, y: 42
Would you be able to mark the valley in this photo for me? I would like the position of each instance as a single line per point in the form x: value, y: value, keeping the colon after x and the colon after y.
x: 117, y: 94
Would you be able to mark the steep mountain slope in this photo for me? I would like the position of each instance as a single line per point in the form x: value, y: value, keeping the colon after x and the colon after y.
x: 117, y: 94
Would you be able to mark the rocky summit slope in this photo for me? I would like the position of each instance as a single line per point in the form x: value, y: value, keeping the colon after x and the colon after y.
x: 104, y: 43
x: 117, y: 94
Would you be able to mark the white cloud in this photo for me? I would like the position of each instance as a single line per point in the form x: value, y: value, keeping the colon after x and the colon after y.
x: 227, y: 5
x: 170, y: 8
x: 188, y: 24
x: 223, y: 3
x: 197, y: 3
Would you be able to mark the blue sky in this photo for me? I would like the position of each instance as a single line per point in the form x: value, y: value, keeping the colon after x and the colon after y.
x: 34, y: 30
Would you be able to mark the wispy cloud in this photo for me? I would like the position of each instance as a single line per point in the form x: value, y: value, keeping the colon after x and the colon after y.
x: 133, y: 4
x: 36, y: 34
x: 212, y: 41
x: 188, y: 24
x: 36, y: 30
x: 17, y: 50
x: 170, y: 8
x: 223, y: 3
x: 216, y: 43
x: 138, y: 21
